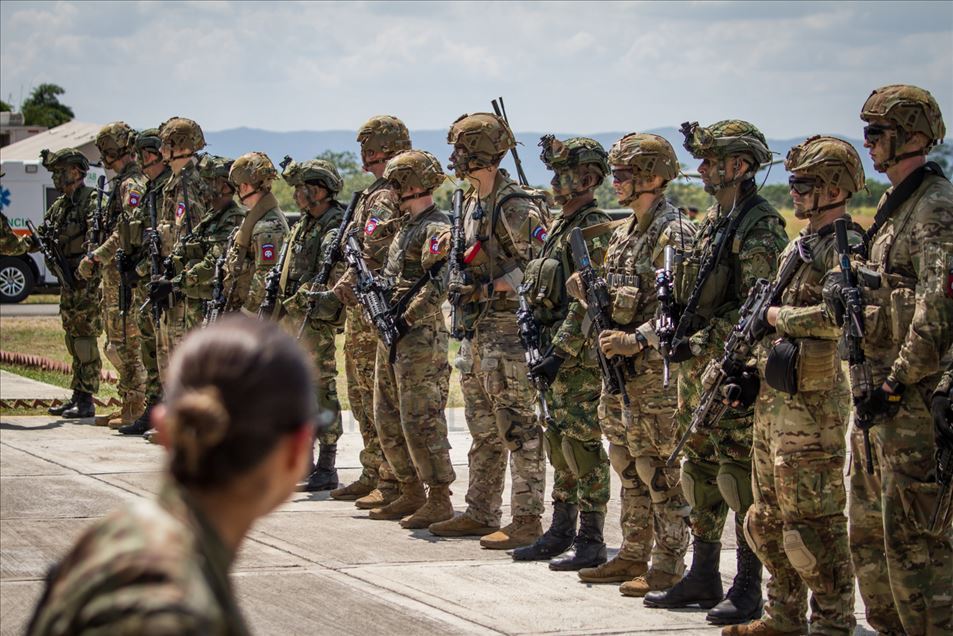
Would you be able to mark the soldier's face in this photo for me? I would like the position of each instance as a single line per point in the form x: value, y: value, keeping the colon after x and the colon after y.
x: 622, y: 182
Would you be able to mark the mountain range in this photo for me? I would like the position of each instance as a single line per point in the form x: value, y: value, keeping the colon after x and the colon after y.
x: 305, y: 144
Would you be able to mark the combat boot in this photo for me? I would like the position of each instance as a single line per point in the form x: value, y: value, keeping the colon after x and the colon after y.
x: 743, y: 601
x: 438, y: 508
x: 354, y: 490
x: 556, y: 540
x: 65, y: 406
x: 412, y: 497
x: 142, y: 424
x: 131, y: 406
x: 700, y: 586
x: 758, y: 628
x: 461, y: 526
x: 522, y: 531
x: 615, y: 570
x: 589, y: 547
x: 651, y: 581
x: 385, y: 493
x: 83, y: 407
x: 325, y: 475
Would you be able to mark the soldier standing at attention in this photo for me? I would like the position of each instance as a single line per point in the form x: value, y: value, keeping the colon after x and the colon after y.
x: 504, y: 229
x: 904, y: 567
x: 410, y: 396
x: 66, y: 224
x: 256, y: 247
x: 375, y: 222
x: 316, y: 183
x: 573, y: 440
x: 183, y: 206
x: 796, y: 524
x: 738, y: 243
x: 116, y: 144
x: 654, y: 510
x: 237, y: 421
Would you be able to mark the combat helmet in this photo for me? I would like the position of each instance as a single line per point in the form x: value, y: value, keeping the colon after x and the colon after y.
x: 212, y: 167
x: 253, y: 168
x: 115, y: 140
x: 724, y: 139
x: 383, y: 133
x: 148, y: 139
x: 912, y: 110
x: 62, y: 159
x: 646, y: 154
x: 827, y: 161
x: 312, y: 172
x: 479, y: 140
x: 179, y: 132
x: 571, y: 160
x: 414, y: 169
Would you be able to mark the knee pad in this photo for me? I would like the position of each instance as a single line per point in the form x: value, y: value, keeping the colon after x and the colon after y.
x: 86, y: 350
x: 800, y: 556
x: 753, y: 530
x: 699, y: 492
x: 515, y: 429
x: 734, y: 483
x: 623, y: 465
x: 552, y: 442
x: 652, y: 475
x: 582, y: 457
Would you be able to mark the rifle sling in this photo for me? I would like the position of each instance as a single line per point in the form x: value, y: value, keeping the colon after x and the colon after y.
x: 401, y: 305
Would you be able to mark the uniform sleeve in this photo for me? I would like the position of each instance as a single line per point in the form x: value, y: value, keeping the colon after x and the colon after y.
x: 428, y: 299
x: 568, y: 334
x: 200, y: 276
x: 265, y: 250
x: 931, y: 330
x: 521, y: 233
x: 758, y: 258
x: 381, y: 222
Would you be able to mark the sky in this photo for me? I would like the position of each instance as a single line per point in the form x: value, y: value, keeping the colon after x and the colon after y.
x: 793, y: 69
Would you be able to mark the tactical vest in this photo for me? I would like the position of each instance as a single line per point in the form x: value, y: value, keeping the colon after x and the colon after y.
x: 306, y: 248
x: 69, y: 225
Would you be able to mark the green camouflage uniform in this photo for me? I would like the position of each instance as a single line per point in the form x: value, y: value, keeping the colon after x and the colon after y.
x: 124, y: 207
x: 308, y: 242
x: 654, y: 511
x: 574, y: 442
x: 194, y: 257
x: 796, y: 525
x: 904, y: 570
x: 716, y: 474
x: 148, y: 336
x: 498, y: 360
x: 253, y: 254
x: 374, y: 224
x: 154, y: 567
x: 10, y: 243
x: 410, y: 395
x: 67, y: 223
x: 175, y: 221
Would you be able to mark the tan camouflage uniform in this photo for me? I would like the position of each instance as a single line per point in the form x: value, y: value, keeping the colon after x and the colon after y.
x: 253, y: 254
x: 155, y: 567
x: 654, y: 511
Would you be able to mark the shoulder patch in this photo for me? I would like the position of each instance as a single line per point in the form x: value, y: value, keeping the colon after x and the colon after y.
x: 268, y: 252
x: 179, y: 210
x: 371, y: 225
x: 434, y: 245
x: 540, y: 234
x: 134, y: 197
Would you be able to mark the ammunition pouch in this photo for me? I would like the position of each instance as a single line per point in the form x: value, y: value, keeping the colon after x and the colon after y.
x: 625, y: 302
x: 545, y: 282
x: 781, y: 370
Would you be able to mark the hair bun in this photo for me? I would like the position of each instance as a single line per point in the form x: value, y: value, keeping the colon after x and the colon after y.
x: 197, y: 423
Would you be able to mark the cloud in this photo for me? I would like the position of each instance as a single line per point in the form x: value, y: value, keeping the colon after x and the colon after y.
x: 793, y: 68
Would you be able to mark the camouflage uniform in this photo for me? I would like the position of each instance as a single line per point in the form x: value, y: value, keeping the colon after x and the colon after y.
x: 67, y: 223
x: 125, y: 208
x: 654, y: 511
x: 153, y: 567
x: 904, y: 569
x: 10, y: 243
x: 498, y: 360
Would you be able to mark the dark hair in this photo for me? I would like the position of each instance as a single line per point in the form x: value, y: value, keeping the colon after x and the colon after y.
x: 234, y: 390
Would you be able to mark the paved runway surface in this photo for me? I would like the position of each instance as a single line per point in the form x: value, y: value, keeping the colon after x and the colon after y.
x: 316, y: 566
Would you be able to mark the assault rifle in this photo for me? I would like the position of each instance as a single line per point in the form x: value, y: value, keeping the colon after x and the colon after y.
x: 531, y: 340
x: 944, y: 476
x: 55, y: 259
x: 747, y: 332
x: 125, y: 292
x: 99, y: 223
x: 500, y: 109
x: 860, y: 383
x: 332, y: 255
x: 158, y: 267
x: 185, y: 202
x: 599, y: 305
x: 372, y: 294
x: 458, y: 275
x: 273, y: 285
x: 665, y: 313
x: 219, y: 300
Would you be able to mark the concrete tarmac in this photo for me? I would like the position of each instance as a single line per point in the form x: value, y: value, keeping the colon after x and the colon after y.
x: 315, y: 566
x: 21, y: 309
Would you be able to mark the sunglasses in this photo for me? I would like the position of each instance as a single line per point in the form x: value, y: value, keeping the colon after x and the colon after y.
x: 874, y: 132
x: 802, y: 185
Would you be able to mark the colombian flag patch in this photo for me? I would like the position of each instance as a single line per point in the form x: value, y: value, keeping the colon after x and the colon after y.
x: 540, y: 234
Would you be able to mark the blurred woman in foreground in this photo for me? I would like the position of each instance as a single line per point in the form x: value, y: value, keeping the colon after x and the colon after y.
x: 237, y: 423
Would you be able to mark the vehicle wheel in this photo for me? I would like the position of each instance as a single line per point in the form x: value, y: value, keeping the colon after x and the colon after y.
x: 16, y: 279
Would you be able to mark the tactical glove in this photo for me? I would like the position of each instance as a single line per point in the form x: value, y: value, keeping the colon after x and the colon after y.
x: 681, y: 351
x: 130, y: 277
x: 160, y: 290
x: 86, y: 268
x: 575, y: 288
x: 833, y: 296
x: 942, y: 417
x: 742, y: 390
x: 548, y: 367
x: 878, y: 404
x: 619, y: 343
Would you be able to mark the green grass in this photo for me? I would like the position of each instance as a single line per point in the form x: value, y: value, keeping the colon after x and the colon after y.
x: 41, y: 299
